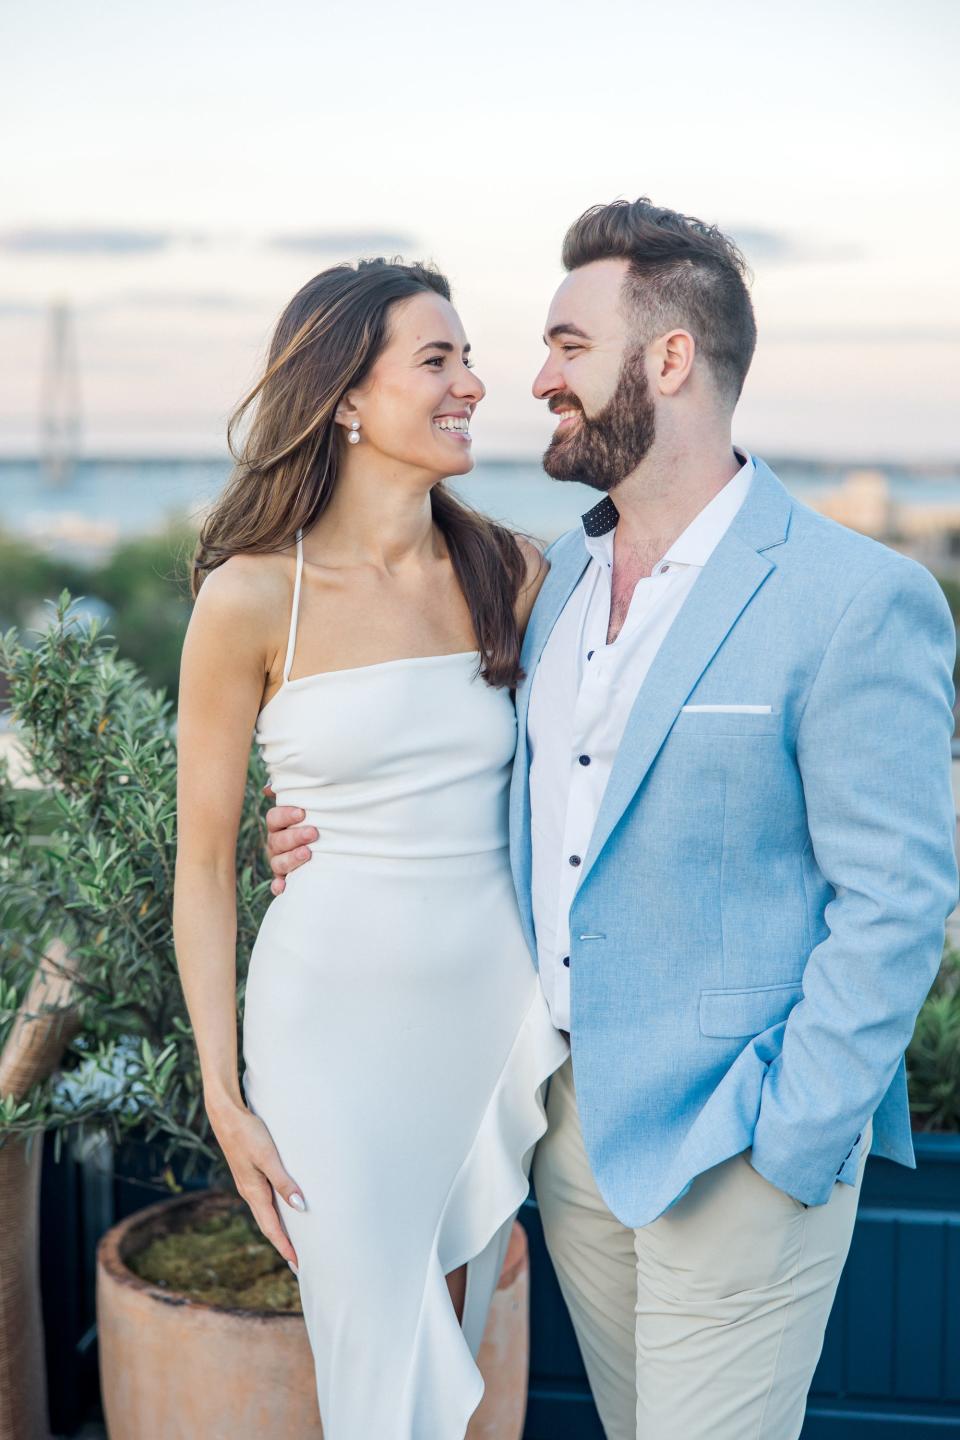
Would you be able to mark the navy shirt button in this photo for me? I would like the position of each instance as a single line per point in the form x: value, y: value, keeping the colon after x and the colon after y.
x: 589, y: 654
x: 566, y: 961
x: 574, y: 859
x: 584, y: 759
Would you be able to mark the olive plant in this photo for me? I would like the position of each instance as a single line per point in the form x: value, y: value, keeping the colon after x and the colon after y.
x: 88, y: 856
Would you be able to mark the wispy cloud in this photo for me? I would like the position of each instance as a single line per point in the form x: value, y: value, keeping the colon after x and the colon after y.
x: 200, y: 301
x: 864, y: 335
x: 206, y: 300
x: 16, y: 309
x: 343, y: 242
x: 780, y: 247
x: 81, y: 242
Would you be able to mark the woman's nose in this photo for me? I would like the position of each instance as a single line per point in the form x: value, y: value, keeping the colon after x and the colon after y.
x: 470, y: 387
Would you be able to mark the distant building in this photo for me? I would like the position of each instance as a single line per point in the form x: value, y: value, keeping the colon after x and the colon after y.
x: 930, y: 532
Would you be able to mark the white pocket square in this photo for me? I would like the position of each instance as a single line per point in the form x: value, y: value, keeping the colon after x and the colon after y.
x: 729, y: 709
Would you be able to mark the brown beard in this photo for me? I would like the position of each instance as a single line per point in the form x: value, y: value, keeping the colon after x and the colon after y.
x: 604, y: 450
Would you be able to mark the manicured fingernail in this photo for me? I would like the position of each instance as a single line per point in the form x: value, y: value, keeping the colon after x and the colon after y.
x: 294, y: 1268
x: 297, y: 1201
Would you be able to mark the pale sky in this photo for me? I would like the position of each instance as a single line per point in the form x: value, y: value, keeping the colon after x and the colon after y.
x: 177, y: 171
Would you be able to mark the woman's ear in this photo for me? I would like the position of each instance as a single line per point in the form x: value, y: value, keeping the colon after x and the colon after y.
x: 347, y: 412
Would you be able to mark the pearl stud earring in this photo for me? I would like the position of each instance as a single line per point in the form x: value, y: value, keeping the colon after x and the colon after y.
x: 354, y: 436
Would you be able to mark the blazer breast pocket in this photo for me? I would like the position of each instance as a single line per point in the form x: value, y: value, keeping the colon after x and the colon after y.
x: 704, y: 721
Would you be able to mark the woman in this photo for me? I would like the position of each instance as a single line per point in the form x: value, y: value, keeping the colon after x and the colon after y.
x: 395, y: 1036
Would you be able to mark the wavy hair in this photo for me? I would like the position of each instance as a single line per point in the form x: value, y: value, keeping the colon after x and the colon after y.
x: 285, y: 471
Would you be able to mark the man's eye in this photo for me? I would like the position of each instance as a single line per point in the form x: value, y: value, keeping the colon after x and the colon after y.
x: 571, y: 347
x: 434, y: 360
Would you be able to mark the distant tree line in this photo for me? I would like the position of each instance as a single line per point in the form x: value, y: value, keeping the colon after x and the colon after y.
x: 146, y: 584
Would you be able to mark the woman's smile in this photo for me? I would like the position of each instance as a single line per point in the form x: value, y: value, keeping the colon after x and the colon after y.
x: 456, y: 424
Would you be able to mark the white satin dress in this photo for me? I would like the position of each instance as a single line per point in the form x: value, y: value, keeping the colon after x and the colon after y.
x: 396, y: 1039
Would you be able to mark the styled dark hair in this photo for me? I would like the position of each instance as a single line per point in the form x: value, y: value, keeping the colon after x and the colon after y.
x: 326, y: 341
x: 683, y: 273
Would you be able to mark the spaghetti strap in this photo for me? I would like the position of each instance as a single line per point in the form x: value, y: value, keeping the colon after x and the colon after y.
x: 294, y: 609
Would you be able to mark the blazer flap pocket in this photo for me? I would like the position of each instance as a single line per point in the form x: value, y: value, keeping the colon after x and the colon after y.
x: 746, y: 1012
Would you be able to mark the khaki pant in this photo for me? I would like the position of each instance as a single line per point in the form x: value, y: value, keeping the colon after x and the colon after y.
x: 708, y: 1323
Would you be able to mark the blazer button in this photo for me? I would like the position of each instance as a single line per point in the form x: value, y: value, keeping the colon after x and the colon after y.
x: 566, y: 961
x: 584, y: 759
x: 574, y: 859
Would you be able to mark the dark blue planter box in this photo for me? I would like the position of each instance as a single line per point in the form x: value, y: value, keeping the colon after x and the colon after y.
x: 891, y: 1358
x: 79, y: 1200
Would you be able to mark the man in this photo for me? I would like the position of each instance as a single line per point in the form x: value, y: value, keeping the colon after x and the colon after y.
x: 732, y: 837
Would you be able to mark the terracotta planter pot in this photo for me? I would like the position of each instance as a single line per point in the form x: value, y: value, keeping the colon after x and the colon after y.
x: 172, y: 1368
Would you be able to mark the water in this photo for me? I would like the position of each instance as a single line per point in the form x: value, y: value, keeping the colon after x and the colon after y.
x: 111, y: 500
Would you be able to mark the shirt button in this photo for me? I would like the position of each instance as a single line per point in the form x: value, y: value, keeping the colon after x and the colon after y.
x: 574, y: 859
x: 584, y: 759
x: 589, y: 654
x: 566, y: 961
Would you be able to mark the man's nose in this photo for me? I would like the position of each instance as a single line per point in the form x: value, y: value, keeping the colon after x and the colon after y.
x: 547, y: 381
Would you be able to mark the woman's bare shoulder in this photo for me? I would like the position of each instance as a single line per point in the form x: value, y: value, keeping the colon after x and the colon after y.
x: 537, y: 568
x: 244, y: 608
x: 250, y: 586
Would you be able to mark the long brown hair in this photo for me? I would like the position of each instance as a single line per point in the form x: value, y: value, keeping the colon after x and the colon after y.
x: 325, y: 342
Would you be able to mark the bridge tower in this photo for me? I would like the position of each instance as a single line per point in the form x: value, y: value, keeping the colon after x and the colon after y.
x: 60, y: 397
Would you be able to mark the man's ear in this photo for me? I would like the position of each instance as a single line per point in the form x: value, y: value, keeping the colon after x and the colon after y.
x: 673, y: 356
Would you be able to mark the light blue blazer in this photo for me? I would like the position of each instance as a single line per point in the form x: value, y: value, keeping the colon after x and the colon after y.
x: 762, y: 906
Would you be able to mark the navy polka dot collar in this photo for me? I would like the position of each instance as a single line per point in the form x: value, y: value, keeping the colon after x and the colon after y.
x: 601, y: 519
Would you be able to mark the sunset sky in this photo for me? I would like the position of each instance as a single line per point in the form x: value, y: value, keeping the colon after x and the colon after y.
x: 176, y: 172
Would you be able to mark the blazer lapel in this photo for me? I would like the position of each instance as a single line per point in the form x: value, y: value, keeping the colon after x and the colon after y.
x: 730, y: 578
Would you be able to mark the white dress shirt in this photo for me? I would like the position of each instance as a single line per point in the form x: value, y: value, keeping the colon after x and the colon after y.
x: 580, y: 698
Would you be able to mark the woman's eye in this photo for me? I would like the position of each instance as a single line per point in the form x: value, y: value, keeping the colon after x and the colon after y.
x: 439, y: 359
x: 571, y: 347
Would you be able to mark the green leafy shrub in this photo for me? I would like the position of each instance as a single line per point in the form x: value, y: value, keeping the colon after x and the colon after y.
x: 933, y: 1059
x: 145, y: 581
x: 101, y: 742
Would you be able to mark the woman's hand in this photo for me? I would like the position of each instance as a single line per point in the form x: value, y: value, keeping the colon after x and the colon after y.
x: 255, y: 1166
x: 287, y: 841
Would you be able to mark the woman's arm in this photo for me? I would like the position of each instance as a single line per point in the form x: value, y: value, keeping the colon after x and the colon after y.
x: 221, y: 682
x: 229, y: 647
